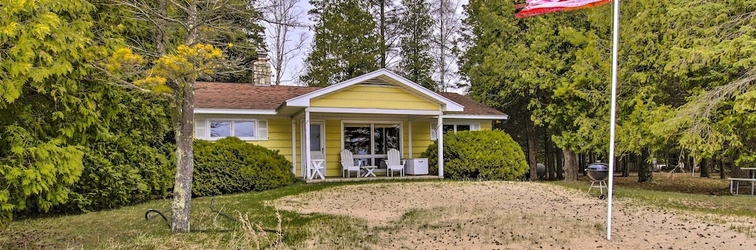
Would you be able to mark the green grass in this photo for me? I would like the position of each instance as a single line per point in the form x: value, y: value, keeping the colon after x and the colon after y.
x: 126, y: 228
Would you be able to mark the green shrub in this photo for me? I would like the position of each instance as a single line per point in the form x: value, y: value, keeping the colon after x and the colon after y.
x: 487, y: 155
x: 231, y: 165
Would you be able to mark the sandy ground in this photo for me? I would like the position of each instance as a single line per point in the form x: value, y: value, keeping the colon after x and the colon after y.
x: 505, y: 215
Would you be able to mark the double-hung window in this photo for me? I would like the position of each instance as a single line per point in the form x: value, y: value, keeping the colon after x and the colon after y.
x: 245, y: 129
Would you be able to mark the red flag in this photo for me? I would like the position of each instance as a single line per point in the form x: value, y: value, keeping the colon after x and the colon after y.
x: 538, y: 7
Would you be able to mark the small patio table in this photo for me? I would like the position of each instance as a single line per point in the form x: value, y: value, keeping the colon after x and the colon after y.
x: 369, y: 170
x: 315, y: 167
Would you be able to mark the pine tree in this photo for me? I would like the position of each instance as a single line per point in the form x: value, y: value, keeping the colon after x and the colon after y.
x: 416, y: 61
x: 345, y: 42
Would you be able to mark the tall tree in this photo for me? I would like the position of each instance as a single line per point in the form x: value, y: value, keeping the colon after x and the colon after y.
x: 284, y: 40
x: 345, y: 42
x: 416, y: 60
x: 551, y: 66
x: 446, y: 28
x: 44, y: 47
x: 717, y: 71
x: 191, y: 29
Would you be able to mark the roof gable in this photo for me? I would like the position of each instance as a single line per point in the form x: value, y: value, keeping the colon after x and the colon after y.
x: 379, y: 77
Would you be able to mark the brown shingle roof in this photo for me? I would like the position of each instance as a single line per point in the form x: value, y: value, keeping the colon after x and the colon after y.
x: 244, y: 96
x: 247, y: 96
x: 471, y: 107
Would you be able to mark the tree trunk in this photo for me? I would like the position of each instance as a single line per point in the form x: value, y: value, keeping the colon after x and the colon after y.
x: 645, y: 170
x: 625, y: 167
x: 570, y: 165
x: 532, y: 148
x: 183, y: 125
x: 383, y: 34
x: 548, y: 155
x: 721, y: 168
x: 182, y: 188
x: 705, y: 168
x: 559, y: 165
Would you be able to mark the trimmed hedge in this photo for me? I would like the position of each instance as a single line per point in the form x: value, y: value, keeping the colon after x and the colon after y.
x: 231, y: 165
x: 487, y: 155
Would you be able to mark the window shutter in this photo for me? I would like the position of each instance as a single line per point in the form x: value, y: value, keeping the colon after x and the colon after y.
x: 434, y: 131
x: 262, y: 129
x: 200, y: 129
x: 475, y: 126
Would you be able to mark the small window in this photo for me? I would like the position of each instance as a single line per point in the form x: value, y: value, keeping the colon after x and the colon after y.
x: 220, y: 129
x: 244, y: 129
x: 453, y: 128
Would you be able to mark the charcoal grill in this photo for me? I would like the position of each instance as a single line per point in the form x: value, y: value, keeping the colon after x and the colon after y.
x: 598, y: 172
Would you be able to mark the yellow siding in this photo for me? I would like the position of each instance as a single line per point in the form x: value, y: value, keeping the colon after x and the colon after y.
x: 420, y: 138
x: 333, y: 148
x: 279, y: 137
x: 383, y: 97
x: 485, y: 125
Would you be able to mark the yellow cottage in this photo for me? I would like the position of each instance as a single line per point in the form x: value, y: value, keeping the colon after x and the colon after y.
x: 367, y: 116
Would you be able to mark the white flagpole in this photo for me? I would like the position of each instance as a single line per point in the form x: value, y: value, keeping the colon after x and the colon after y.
x: 613, y: 119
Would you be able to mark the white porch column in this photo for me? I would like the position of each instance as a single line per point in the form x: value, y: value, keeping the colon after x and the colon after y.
x: 294, y: 146
x: 440, y: 138
x: 307, y: 144
x: 409, y: 124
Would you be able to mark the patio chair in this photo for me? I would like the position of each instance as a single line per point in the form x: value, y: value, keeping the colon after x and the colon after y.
x: 394, y: 162
x: 317, y: 165
x: 347, y: 164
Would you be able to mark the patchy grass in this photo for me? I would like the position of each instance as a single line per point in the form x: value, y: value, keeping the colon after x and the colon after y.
x: 710, y: 195
x: 246, y: 221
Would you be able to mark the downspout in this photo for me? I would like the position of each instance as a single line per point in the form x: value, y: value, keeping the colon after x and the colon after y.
x: 294, y: 145
x: 307, y: 143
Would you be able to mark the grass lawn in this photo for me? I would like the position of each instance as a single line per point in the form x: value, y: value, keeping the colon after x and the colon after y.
x: 126, y: 228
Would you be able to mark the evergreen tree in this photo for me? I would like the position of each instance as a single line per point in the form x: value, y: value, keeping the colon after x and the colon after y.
x: 345, y: 42
x: 45, y: 48
x: 416, y: 61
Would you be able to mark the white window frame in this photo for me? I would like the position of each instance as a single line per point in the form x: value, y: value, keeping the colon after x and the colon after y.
x: 474, y: 126
x: 372, y: 124
x: 261, y: 129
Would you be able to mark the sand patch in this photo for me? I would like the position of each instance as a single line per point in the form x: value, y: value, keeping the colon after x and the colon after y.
x: 506, y: 215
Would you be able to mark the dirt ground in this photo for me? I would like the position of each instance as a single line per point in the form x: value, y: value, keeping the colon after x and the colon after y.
x: 506, y: 215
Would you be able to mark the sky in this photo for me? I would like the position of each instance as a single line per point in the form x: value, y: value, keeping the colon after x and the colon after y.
x: 296, y: 66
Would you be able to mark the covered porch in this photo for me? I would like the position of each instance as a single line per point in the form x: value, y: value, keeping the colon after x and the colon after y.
x: 367, y: 136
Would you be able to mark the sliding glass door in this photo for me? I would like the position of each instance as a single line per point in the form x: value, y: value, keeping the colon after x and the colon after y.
x: 370, y: 142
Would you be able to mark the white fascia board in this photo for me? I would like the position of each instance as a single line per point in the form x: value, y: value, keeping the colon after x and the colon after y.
x: 372, y: 111
x: 478, y: 117
x: 236, y: 111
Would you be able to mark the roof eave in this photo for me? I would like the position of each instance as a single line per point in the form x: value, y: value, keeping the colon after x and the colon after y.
x: 477, y: 117
x: 235, y: 111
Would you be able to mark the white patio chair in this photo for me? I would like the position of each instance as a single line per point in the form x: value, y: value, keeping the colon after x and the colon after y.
x: 317, y: 165
x: 394, y: 162
x: 347, y: 164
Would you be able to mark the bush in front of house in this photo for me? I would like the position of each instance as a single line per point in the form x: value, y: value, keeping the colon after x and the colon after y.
x: 486, y: 155
x: 231, y: 165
